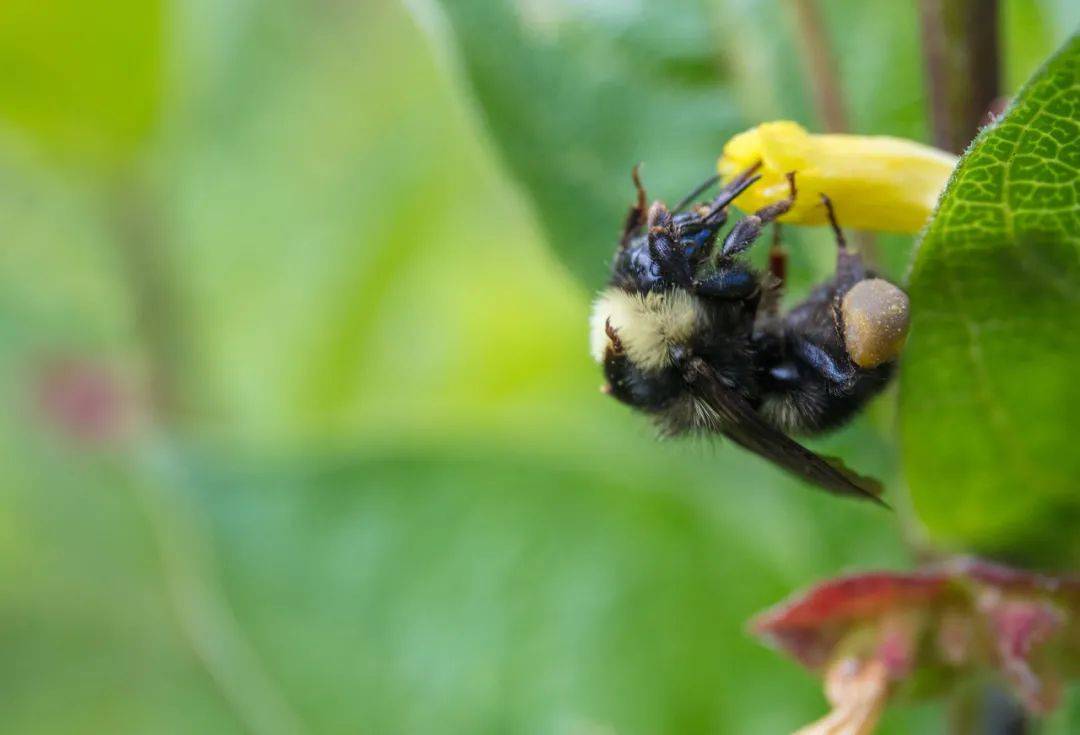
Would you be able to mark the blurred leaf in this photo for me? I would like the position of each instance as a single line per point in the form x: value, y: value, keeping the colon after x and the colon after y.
x: 576, y: 94
x: 462, y: 590
x: 87, y: 631
x: 458, y: 589
x: 84, y: 78
x: 989, y: 396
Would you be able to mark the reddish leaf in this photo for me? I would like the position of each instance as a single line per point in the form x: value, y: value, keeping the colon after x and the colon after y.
x: 1020, y: 627
x: 960, y: 615
x: 809, y: 625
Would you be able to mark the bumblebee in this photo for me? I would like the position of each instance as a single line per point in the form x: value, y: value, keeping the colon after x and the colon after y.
x: 688, y: 332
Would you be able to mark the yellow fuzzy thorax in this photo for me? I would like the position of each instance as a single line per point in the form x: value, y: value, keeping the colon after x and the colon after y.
x: 647, y: 324
x: 875, y: 182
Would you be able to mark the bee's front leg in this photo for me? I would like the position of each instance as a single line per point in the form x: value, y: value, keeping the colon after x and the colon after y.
x: 729, y: 284
x: 665, y: 249
x: 748, y: 229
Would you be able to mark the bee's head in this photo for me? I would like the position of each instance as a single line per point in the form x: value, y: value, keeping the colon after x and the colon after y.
x: 635, y: 267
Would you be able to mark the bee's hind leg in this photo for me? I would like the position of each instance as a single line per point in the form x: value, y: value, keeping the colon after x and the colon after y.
x: 839, y: 372
x: 849, y: 265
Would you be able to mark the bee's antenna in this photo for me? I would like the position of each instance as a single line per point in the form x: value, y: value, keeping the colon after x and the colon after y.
x: 635, y: 175
x: 686, y: 200
x: 635, y: 216
x: 731, y: 193
x: 840, y: 241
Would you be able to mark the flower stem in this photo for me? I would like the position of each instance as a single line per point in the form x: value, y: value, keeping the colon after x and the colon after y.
x: 962, y: 67
x: 135, y: 213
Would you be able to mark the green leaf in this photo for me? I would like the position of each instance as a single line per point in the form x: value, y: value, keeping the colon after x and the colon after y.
x: 575, y: 95
x: 990, y: 400
x: 83, y: 78
x: 453, y: 590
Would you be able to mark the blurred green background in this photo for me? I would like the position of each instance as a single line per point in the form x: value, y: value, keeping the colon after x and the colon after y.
x: 361, y: 479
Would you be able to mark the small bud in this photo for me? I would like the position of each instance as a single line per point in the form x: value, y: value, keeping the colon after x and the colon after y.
x: 876, y: 317
x: 88, y: 401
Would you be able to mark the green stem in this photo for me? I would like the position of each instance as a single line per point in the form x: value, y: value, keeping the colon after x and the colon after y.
x: 820, y: 62
x: 135, y: 212
x: 823, y: 76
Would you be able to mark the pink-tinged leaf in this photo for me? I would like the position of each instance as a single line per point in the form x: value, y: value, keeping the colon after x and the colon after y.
x: 86, y: 401
x: 1020, y: 627
x: 1011, y: 579
x: 809, y: 625
x: 955, y: 617
x: 898, y: 640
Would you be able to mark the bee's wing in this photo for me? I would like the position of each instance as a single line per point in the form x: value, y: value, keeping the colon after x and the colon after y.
x: 744, y: 426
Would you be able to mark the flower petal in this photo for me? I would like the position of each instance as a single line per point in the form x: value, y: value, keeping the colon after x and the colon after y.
x: 875, y: 182
x: 858, y: 692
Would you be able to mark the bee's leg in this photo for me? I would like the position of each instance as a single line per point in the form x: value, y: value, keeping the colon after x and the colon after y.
x: 849, y: 266
x: 665, y: 249
x: 746, y: 231
x: 636, y: 216
x: 839, y: 372
x: 729, y: 283
x: 777, y: 255
x: 774, y: 291
x: 696, y: 229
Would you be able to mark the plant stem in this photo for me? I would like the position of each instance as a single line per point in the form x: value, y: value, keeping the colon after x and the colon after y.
x: 827, y: 89
x: 961, y: 52
x: 136, y: 222
x: 820, y: 61
x: 962, y: 68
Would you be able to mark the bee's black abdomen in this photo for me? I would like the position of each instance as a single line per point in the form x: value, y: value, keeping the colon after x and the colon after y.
x: 811, y: 384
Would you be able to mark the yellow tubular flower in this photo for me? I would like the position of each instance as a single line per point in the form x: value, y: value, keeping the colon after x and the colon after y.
x: 875, y: 182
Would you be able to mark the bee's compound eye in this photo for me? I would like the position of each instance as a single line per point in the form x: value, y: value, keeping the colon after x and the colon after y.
x: 876, y: 317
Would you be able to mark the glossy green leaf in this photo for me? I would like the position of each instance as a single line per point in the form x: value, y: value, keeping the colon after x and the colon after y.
x: 990, y: 398
x: 84, y: 78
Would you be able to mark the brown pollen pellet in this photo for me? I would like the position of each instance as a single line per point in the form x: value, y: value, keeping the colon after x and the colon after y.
x: 876, y: 317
